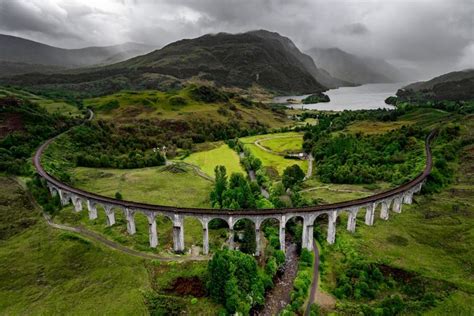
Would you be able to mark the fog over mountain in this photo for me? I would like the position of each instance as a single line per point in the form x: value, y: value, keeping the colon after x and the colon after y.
x: 433, y: 37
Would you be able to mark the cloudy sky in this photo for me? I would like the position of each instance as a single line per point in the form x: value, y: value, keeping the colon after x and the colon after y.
x: 433, y: 36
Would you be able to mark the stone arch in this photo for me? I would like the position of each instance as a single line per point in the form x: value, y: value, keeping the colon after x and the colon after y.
x: 325, y: 223
x: 219, y: 232
x: 193, y: 228
x: 164, y: 227
x: 270, y: 228
x: 294, y: 228
x: 246, y: 235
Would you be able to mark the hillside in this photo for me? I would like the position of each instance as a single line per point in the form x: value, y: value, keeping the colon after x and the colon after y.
x: 241, y: 60
x: 454, y: 86
x: 257, y: 58
x: 352, y: 68
x: 20, y: 53
x: 321, y: 75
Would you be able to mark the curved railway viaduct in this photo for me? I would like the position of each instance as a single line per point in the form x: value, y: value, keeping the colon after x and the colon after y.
x: 391, y: 200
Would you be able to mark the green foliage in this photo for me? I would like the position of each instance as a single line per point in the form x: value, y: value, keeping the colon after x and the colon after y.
x: 292, y: 176
x: 109, y: 106
x: 302, y: 282
x: 233, y: 194
x: 28, y: 125
x: 248, y: 243
x: 159, y: 304
x: 177, y: 100
x: 220, y: 186
x: 396, y: 157
x: 118, y: 196
x: 207, y: 94
x: 234, y: 281
x: 316, y: 98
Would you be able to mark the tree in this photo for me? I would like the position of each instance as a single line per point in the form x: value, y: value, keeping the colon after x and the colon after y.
x: 292, y: 176
x: 118, y: 195
x: 234, y: 281
x: 220, y: 186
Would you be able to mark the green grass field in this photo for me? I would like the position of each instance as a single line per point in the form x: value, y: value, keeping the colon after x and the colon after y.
x: 46, y: 271
x: 155, y: 185
x: 269, y: 159
x: 284, y: 143
x: 222, y: 155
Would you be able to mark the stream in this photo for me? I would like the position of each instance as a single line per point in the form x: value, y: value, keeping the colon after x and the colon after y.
x: 279, y: 296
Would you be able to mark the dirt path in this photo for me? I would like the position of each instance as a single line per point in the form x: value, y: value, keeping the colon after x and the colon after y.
x: 279, y: 296
x: 309, y: 172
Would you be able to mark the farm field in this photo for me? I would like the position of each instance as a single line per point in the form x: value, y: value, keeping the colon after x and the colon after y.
x: 269, y: 159
x: 207, y: 160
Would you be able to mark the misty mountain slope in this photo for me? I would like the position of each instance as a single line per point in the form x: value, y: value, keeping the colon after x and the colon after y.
x: 352, y: 68
x: 455, y: 86
x: 19, y: 50
x: 234, y: 60
x: 321, y: 75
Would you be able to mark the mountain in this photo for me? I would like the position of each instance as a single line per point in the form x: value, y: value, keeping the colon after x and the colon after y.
x: 259, y: 57
x: 454, y: 86
x: 17, y: 52
x: 321, y: 75
x: 354, y: 69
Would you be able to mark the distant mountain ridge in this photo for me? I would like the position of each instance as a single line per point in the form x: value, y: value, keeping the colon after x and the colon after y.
x: 16, y: 53
x: 454, y: 86
x: 242, y: 60
x: 257, y: 57
x: 354, y: 69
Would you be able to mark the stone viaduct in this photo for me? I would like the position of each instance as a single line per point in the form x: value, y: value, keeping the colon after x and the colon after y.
x: 391, y: 200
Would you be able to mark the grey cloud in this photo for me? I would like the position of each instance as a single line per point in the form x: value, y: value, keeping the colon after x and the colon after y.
x: 434, y: 35
x: 353, y: 29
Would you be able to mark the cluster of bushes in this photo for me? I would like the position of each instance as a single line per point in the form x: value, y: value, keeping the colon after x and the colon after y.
x: 31, y: 125
x: 301, y: 284
x: 446, y: 149
x: 235, y: 282
x: 361, y: 280
x: 233, y: 193
x: 208, y: 94
x: 40, y: 192
x: 394, y: 157
x: 316, y: 98
x: 419, y: 100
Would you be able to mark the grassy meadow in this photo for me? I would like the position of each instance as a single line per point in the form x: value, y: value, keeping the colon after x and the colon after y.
x: 207, y: 160
x: 272, y: 160
x: 51, y: 105
x: 164, y: 185
x: 178, y: 104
